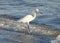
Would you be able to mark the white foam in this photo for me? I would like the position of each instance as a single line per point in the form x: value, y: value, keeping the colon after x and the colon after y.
x: 1, y: 24
x: 57, y: 40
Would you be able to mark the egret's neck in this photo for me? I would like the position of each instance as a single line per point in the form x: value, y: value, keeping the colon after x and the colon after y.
x: 34, y: 14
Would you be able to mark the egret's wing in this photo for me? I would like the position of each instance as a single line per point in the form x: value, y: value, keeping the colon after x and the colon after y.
x: 26, y: 19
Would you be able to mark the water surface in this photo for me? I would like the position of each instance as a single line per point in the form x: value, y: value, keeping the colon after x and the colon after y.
x: 50, y: 15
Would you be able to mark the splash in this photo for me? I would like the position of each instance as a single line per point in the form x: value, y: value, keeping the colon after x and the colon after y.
x: 57, y: 40
x: 9, y: 24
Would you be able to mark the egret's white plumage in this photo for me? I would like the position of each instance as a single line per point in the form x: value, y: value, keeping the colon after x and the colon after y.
x: 26, y: 19
x: 29, y: 18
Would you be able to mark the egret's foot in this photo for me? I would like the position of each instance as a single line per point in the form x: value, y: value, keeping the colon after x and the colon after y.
x: 29, y: 31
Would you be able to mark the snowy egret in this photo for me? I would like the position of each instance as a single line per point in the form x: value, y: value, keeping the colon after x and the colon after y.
x: 27, y: 19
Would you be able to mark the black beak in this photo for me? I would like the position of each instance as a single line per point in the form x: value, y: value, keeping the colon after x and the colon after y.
x: 41, y: 12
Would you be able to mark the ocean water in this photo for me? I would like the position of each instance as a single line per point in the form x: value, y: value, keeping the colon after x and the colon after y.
x: 50, y: 10
x: 49, y: 14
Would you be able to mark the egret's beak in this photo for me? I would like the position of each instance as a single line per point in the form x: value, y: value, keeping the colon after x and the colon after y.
x: 38, y: 11
x: 41, y: 12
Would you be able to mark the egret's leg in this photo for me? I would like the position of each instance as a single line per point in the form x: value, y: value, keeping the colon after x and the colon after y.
x: 28, y: 28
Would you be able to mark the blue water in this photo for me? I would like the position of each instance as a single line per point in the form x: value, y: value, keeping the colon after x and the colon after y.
x: 50, y: 10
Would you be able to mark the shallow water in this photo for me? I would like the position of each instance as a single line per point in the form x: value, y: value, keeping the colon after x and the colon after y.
x: 50, y: 10
x: 49, y: 14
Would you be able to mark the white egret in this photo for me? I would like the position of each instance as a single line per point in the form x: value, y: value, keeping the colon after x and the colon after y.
x: 27, y: 19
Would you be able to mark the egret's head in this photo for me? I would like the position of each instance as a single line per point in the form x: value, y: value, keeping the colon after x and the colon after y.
x: 37, y: 10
